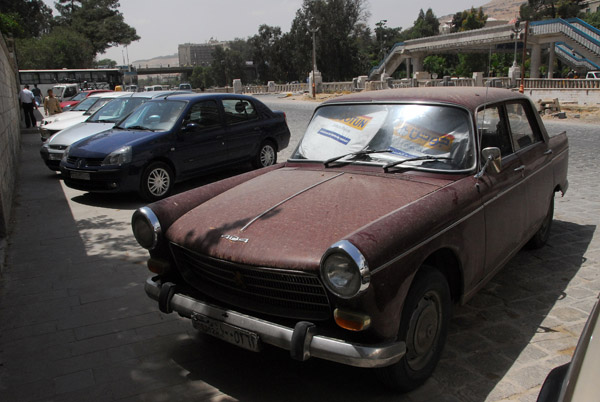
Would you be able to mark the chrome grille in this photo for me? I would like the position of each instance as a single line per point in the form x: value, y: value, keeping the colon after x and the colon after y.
x: 276, y: 292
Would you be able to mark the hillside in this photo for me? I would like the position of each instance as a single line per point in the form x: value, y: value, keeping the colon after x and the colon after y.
x: 502, y: 10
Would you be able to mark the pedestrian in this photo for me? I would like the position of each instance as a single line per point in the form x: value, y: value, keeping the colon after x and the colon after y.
x: 28, y: 103
x: 51, y: 104
x: 37, y: 93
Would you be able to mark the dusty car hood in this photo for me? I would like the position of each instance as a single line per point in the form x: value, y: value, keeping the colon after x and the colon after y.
x: 79, y: 131
x: 305, y: 212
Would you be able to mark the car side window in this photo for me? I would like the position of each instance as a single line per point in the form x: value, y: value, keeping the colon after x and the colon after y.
x: 522, y: 133
x: 493, y: 131
x: 238, y: 110
x: 205, y: 114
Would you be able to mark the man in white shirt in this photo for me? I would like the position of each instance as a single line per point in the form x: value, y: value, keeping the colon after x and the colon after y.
x: 27, y: 103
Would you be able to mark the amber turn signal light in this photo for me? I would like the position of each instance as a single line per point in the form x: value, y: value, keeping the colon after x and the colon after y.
x: 158, y: 266
x: 351, y: 321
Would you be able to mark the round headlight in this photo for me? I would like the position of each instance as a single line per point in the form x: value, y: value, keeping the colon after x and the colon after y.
x: 146, y: 228
x: 344, y: 270
x: 341, y: 275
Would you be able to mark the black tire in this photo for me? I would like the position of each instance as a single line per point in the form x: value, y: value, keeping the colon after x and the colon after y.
x: 156, y: 182
x: 266, y: 156
x: 423, y: 326
x: 540, y: 237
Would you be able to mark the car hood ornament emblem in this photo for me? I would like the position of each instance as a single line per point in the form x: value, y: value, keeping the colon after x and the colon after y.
x: 234, y: 238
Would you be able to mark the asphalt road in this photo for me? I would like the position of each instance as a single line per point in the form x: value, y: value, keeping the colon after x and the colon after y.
x: 76, y: 325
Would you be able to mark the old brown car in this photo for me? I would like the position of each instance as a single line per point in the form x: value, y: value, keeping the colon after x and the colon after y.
x: 395, y: 205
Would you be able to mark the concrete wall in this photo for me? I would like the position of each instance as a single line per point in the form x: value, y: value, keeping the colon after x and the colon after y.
x: 9, y: 133
x: 590, y: 97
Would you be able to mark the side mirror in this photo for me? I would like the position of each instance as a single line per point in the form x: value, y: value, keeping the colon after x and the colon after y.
x: 491, y: 156
x: 189, y: 126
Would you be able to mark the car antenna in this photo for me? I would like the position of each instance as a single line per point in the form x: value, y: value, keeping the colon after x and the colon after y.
x: 477, y: 130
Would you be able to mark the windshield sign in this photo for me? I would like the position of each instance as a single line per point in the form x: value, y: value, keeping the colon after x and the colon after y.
x: 154, y: 116
x: 436, y: 137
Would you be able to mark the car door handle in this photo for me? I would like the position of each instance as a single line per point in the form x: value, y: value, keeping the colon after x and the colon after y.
x: 520, y: 168
x: 548, y: 152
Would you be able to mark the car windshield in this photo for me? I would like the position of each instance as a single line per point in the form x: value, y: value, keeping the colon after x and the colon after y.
x: 434, y: 137
x: 85, y: 104
x: 80, y: 96
x: 97, y: 105
x: 115, y: 110
x: 154, y: 116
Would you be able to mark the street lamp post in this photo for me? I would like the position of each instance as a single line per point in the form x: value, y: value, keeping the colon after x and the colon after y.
x: 516, y: 31
x: 314, y: 60
x: 514, y: 69
x: 382, y: 37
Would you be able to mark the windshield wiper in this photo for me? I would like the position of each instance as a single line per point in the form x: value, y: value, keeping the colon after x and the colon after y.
x: 418, y: 158
x: 139, y: 128
x: 357, y: 153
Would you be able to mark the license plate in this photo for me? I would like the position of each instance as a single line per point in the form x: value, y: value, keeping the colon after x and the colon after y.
x: 237, y: 336
x: 80, y: 175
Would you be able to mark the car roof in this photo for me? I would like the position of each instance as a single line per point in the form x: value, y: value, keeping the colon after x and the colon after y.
x: 114, y: 94
x: 467, y: 97
x: 156, y: 94
x: 190, y: 96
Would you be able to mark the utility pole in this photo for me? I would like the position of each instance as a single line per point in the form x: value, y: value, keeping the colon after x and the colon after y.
x: 314, y: 60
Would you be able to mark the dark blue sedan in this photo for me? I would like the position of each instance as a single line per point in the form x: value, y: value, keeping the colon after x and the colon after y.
x: 174, y: 138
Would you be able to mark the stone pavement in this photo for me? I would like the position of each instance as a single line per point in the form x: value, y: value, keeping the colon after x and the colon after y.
x: 76, y: 325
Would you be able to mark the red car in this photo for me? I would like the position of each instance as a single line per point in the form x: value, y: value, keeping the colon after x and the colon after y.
x: 66, y: 105
x: 395, y: 205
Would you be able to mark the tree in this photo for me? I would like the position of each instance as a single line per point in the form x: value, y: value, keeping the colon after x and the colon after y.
x: 98, y: 20
x: 24, y: 19
x: 263, y: 47
x: 105, y: 63
x: 468, y: 20
x: 337, y: 22
x: 62, y: 48
x: 535, y: 10
x: 593, y: 19
x: 425, y: 25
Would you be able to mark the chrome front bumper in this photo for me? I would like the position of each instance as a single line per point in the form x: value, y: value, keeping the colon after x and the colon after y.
x: 302, y: 341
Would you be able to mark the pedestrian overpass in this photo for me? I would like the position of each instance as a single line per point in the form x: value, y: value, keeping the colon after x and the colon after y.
x: 573, y: 41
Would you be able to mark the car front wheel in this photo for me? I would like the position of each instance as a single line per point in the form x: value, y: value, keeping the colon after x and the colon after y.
x: 157, y: 181
x: 267, y: 155
x: 423, y: 326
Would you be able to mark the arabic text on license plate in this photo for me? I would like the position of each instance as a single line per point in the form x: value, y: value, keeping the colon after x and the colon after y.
x: 80, y: 175
x: 237, y: 336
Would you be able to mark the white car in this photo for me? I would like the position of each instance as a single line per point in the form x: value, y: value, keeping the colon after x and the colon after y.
x: 577, y: 381
x: 77, y: 115
x: 103, y: 119
x: 593, y: 75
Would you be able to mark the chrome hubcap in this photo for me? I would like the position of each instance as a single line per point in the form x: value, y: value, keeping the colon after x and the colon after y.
x: 158, y: 182
x: 424, y: 330
x: 267, y: 155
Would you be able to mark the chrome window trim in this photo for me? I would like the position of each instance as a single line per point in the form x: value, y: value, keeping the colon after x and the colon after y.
x: 152, y: 219
x: 359, y: 260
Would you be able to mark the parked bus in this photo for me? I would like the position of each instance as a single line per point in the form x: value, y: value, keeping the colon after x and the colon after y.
x: 62, y: 80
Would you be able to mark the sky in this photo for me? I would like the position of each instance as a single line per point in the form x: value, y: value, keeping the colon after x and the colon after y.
x: 163, y: 25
